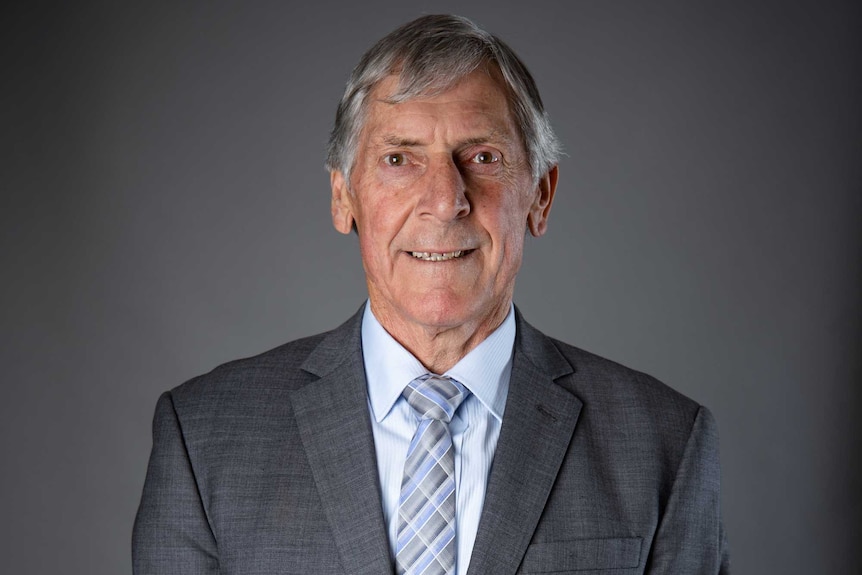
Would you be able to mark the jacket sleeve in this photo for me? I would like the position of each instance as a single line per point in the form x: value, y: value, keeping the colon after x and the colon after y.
x: 690, y: 538
x: 172, y: 534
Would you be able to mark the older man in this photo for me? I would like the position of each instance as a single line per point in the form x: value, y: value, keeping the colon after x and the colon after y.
x: 435, y: 431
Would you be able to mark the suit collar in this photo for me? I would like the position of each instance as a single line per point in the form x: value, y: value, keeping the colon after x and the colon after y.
x: 540, y: 419
x: 332, y: 418
x: 346, y: 340
x: 540, y: 350
x: 342, y: 344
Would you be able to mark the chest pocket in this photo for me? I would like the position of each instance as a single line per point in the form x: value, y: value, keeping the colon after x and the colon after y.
x: 582, y: 555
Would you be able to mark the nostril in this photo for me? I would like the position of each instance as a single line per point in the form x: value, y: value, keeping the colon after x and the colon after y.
x: 445, y: 196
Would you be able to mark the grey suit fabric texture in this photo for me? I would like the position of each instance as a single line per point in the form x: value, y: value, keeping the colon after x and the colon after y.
x: 267, y: 466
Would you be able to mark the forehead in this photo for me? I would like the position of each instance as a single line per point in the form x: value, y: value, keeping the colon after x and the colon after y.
x: 477, y: 102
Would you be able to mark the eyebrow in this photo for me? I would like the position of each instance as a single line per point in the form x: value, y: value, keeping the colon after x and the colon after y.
x: 494, y: 136
x: 401, y: 142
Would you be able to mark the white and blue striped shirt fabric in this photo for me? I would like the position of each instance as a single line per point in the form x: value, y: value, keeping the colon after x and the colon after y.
x: 475, y: 428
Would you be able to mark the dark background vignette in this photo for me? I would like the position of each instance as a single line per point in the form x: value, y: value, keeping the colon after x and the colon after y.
x: 165, y: 209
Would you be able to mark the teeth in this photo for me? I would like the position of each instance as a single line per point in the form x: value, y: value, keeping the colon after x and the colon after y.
x: 437, y: 257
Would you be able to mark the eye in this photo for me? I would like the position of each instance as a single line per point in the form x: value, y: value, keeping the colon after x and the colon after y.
x: 485, y: 158
x: 394, y: 160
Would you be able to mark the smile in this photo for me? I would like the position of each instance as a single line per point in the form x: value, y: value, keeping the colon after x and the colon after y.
x: 439, y: 257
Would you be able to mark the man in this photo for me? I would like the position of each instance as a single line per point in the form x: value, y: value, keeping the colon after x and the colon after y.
x: 435, y: 431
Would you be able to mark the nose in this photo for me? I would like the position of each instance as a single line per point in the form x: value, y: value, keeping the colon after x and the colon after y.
x: 444, y: 196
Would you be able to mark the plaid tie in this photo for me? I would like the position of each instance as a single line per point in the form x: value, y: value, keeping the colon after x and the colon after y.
x: 426, y: 508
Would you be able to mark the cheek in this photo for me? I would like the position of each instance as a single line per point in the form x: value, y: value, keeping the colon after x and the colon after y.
x: 508, y: 216
x: 509, y: 227
x: 379, y: 225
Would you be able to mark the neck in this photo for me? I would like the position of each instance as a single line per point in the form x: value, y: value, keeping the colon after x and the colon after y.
x: 439, y: 348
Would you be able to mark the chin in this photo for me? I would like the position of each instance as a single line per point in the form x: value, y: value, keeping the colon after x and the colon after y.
x: 441, y: 311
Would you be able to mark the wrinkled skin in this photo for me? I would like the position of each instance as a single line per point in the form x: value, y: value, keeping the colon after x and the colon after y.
x: 436, y: 175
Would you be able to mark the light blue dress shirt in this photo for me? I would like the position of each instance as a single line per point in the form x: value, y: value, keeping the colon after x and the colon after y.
x: 475, y: 428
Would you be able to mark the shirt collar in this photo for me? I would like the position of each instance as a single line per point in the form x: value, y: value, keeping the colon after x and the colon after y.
x: 389, y: 367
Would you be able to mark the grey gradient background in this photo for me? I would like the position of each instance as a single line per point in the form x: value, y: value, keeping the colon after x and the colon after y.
x: 164, y: 209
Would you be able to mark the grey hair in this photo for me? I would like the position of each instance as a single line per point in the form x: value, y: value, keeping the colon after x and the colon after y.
x: 429, y: 55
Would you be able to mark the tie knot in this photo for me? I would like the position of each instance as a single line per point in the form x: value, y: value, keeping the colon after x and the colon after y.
x: 435, y: 396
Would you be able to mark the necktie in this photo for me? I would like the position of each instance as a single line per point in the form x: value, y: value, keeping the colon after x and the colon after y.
x: 426, y: 508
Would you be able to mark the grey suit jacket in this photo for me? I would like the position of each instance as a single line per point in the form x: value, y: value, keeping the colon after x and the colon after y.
x: 267, y: 466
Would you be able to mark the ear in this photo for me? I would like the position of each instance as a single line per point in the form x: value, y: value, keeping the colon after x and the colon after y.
x: 342, y: 206
x: 537, y: 217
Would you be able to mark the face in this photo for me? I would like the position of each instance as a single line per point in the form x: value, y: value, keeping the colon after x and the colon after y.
x: 442, y: 194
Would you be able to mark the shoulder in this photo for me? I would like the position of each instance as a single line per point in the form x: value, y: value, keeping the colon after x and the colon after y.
x: 247, y: 383
x: 254, y: 382
x: 634, y: 417
x: 626, y: 404
x: 598, y: 381
x: 261, y: 367
x: 602, y: 379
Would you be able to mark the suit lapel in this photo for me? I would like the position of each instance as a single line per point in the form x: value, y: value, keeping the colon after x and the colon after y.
x: 537, y: 428
x: 333, y: 421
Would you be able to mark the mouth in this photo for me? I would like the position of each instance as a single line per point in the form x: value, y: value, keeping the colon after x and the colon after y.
x: 439, y: 256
